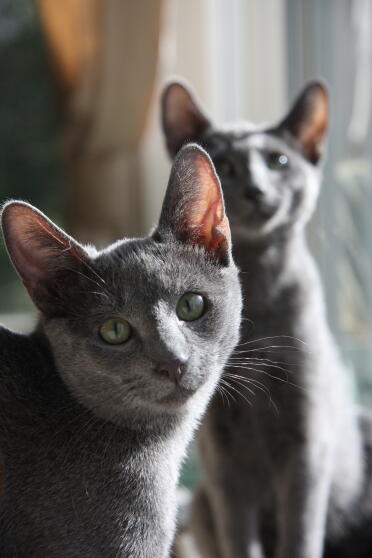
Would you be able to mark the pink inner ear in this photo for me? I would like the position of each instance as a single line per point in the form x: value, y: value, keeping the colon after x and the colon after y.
x: 178, y: 105
x: 313, y: 131
x: 313, y: 128
x: 183, y: 120
x: 207, y: 215
x: 35, y: 244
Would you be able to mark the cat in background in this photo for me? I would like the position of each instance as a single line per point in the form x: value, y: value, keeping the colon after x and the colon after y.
x: 98, y: 404
x: 292, y: 464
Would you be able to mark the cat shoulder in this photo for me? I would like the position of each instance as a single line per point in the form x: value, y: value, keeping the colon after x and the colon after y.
x: 14, y: 347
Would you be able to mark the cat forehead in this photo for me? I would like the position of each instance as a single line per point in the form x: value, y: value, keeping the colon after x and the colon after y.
x: 243, y: 139
x: 148, y: 267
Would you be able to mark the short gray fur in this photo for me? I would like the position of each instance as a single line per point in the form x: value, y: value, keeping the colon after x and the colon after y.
x: 93, y: 434
x: 285, y: 472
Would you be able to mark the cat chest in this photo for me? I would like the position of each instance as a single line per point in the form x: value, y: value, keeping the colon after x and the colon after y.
x: 264, y: 432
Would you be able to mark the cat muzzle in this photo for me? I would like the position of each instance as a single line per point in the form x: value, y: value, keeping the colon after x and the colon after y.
x: 172, y: 368
x: 253, y: 193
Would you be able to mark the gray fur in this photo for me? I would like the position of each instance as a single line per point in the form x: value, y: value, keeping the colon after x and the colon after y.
x: 285, y: 473
x: 93, y: 435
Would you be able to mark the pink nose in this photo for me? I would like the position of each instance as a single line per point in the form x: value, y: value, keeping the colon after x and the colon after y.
x: 172, y: 368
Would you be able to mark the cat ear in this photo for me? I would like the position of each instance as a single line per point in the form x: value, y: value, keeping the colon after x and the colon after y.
x: 308, y: 120
x: 193, y: 208
x: 45, y: 257
x: 182, y: 118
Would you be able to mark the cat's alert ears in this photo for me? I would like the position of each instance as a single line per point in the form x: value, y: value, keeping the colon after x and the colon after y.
x: 182, y: 118
x: 307, y: 121
x: 41, y: 252
x: 193, y: 209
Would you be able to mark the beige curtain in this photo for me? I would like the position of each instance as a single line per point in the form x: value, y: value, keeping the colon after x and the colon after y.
x: 104, y: 55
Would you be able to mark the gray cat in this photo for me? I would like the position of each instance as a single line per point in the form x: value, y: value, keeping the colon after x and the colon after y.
x: 98, y: 404
x: 292, y: 464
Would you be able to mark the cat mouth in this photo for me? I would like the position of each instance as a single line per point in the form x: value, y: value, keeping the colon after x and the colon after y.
x: 177, y: 385
x: 177, y: 395
x: 257, y: 213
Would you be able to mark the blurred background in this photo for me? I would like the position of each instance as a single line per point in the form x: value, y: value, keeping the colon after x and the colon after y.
x: 80, y: 131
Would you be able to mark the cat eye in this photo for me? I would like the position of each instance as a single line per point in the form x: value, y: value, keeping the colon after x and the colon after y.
x: 190, y: 307
x: 115, y: 331
x: 277, y: 161
x: 224, y: 168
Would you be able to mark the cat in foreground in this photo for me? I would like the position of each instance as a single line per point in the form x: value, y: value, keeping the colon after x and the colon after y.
x: 98, y: 404
x: 292, y: 464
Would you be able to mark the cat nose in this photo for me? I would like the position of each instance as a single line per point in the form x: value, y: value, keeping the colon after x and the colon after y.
x: 173, y: 368
x: 253, y: 193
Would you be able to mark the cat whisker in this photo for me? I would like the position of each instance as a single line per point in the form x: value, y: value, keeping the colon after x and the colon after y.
x: 243, y: 366
x: 260, y: 371
x: 259, y: 385
x: 94, y: 272
x: 222, y: 391
x: 247, y: 320
x: 241, y: 394
x: 265, y: 361
x: 272, y: 337
x: 264, y: 350
x: 265, y: 364
x: 85, y: 263
x: 256, y: 363
x: 226, y: 385
x: 85, y: 276
x: 241, y: 383
x: 265, y: 391
x: 95, y: 293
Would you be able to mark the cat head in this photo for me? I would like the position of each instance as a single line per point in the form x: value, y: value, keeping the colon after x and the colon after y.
x: 143, y: 328
x: 270, y: 175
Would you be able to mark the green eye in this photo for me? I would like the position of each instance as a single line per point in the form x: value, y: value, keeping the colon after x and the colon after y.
x: 224, y: 168
x: 277, y: 161
x: 115, y: 331
x: 190, y: 307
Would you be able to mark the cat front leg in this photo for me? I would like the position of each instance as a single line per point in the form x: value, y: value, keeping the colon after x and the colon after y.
x: 303, y: 506
x: 236, y: 524
x: 203, y: 527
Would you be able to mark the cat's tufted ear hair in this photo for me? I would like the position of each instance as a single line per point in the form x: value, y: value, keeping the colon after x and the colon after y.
x: 46, y: 258
x: 307, y: 121
x: 182, y: 118
x: 193, y: 209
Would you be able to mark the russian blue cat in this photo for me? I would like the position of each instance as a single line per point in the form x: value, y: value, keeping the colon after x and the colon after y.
x: 98, y: 404
x: 291, y: 465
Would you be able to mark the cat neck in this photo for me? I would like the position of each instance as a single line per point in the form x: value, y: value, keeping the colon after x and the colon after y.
x: 275, y: 273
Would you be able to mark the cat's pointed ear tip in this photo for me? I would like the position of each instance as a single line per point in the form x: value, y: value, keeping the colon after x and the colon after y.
x: 175, y: 85
x: 14, y: 208
x: 193, y: 149
x: 320, y: 88
x: 197, y: 155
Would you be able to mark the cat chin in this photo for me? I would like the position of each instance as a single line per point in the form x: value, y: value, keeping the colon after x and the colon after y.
x: 176, y: 398
x: 144, y: 416
x: 143, y: 411
x: 182, y: 399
